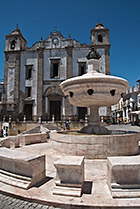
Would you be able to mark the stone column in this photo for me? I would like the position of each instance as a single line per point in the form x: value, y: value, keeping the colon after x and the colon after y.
x: 69, y: 62
x: 40, y: 82
x: 69, y: 74
x: 74, y: 110
x: 94, y: 118
x: 107, y: 59
x: 63, y: 106
x: 46, y: 105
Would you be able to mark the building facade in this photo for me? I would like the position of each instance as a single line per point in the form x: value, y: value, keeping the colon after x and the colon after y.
x: 128, y: 108
x: 1, y: 97
x: 32, y: 75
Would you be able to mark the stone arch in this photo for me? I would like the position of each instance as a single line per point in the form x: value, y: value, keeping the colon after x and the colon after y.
x: 53, y: 102
x: 100, y: 38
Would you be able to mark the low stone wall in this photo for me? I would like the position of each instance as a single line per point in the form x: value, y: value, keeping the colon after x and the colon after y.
x: 123, y: 176
x: 21, y: 169
x: 95, y: 146
x: 22, y: 140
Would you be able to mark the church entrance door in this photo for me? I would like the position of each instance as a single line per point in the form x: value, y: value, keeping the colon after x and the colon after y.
x: 28, y: 111
x: 55, y: 109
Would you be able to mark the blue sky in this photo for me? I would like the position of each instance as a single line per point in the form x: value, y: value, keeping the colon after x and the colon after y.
x: 36, y: 18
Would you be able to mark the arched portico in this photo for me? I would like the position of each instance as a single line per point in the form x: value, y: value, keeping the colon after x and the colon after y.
x: 54, y: 103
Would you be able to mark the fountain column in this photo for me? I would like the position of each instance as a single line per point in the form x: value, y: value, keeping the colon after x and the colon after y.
x: 94, y: 118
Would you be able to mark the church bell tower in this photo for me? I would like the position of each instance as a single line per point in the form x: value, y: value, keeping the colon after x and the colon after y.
x: 100, y: 42
x: 14, y: 45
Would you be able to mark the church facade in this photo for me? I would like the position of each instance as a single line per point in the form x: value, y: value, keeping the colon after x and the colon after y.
x: 32, y: 75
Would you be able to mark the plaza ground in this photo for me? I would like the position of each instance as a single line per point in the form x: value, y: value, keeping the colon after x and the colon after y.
x: 96, y: 193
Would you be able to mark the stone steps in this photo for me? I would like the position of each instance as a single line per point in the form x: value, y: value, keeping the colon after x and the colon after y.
x: 15, y: 179
x: 126, y: 193
x: 125, y: 186
x: 67, y: 191
x: 58, y: 183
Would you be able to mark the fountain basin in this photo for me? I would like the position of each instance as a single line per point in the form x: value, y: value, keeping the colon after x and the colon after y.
x: 95, y: 146
x: 94, y: 89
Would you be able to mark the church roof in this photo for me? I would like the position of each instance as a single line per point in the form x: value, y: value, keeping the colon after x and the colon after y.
x: 99, y: 26
x: 16, y: 32
x: 57, y: 40
x: 56, y: 33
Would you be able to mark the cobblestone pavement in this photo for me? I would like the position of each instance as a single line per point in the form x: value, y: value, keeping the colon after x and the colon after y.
x: 7, y: 202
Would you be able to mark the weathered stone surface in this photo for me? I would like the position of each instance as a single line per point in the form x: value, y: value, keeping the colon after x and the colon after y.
x: 94, y: 90
x: 21, y: 169
x: 69, y: 176
x: 22, y: 140
x: 100, y: 84
x: 124, y: 176
x: 95, y: 146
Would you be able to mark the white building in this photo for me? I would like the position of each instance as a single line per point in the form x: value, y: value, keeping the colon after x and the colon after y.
x: 1, y: 96
x: 32, y: 75
x: 129, y: 106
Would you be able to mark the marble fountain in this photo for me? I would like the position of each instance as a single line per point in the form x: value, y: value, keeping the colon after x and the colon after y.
x: 109, y: 177
x: 95, y: 90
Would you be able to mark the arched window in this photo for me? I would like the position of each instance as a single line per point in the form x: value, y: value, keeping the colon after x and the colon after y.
x: 100, y: 38
x: 13, y: 44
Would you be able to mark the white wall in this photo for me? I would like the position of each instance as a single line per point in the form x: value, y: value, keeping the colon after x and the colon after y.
x: 29, y: 58
x: 55, y: 53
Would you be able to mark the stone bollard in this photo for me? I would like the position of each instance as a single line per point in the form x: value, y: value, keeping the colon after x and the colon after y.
x: 69, y: 176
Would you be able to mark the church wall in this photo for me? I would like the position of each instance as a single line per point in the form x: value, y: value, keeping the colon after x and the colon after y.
x: 10, y: 85
x: 102, y: 67
x: 54, y: 54
x: 29, y: 59
x: 79, y: 54
x: 53, y: 60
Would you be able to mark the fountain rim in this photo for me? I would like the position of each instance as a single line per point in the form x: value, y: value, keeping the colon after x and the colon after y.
x: 116, y: 133
x: 94, y: 77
